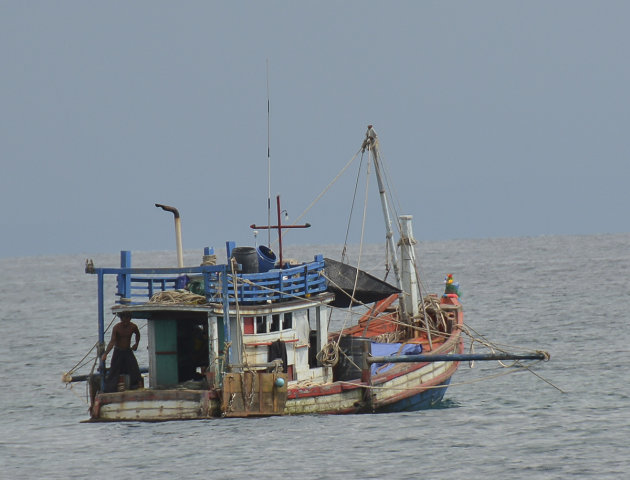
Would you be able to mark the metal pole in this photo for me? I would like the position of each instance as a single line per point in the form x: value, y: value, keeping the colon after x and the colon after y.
x: 458, y: 357
x: 279, y: 230
x: 226, y: 318
x: 101, y: 328
x: 371, y: 143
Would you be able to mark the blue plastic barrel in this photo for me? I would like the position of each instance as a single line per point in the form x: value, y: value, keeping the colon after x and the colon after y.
x: 266, y: 258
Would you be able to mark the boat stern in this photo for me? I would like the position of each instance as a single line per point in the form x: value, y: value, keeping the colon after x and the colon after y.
x: 155, y: 405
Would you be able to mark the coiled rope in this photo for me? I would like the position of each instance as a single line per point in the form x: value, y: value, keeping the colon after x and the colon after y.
x: 179, y: 297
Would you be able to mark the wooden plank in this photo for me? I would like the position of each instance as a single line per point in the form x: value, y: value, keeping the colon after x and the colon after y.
x: 253, y: 393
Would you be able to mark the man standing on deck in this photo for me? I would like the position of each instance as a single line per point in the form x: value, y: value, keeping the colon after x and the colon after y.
x: 123, y: 361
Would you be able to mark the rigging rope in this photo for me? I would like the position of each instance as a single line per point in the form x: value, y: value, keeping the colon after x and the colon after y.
x: 323, y: 192
x: 354, y: 197
x: 356, y: 277
x: 79, y: 364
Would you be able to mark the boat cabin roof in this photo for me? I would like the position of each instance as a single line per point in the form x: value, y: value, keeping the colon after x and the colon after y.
x: 150, y: 310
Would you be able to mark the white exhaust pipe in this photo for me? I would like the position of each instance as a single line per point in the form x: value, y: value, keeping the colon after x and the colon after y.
x: 178, y: 232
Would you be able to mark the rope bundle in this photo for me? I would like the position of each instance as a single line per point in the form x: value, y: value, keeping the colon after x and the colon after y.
x: 329, y: 354
x: 178, y: 297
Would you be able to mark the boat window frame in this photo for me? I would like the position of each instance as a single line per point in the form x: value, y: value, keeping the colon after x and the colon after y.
x: 287, y: 318
x: 261, y: 320
x: 283, y: 322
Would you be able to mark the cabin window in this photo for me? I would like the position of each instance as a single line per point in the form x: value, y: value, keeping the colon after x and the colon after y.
x: 267, y: 324
x: 248, y: 325
x: 275, y: 323
x: 287, y: 321
x: 261, y: 324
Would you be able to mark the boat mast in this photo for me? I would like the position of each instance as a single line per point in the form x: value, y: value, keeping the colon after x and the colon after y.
x: 371, y: 143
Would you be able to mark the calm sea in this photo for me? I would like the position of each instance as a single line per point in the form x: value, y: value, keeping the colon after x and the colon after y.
x: 568, y: 295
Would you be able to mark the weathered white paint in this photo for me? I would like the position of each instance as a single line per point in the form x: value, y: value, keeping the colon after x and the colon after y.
x: 346, y: 400
x: 407, y: 266
x: 151, y: 410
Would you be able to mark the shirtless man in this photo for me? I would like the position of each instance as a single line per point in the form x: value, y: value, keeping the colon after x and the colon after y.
x: 123, y: 360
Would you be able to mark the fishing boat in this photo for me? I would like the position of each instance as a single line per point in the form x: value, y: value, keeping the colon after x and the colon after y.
x: 250, y: 337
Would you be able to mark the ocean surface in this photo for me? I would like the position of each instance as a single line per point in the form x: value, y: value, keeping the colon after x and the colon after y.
x: 566, y: 418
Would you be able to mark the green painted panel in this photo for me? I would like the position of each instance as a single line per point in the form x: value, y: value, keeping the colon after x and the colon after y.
x: 166, y: 352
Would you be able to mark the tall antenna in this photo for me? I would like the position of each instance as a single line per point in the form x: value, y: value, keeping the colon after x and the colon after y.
x: 268, y: 164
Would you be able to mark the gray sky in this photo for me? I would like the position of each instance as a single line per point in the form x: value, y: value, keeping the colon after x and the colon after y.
x: 496, y: 118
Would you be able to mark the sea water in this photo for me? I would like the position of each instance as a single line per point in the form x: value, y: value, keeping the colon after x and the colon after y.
x: 566, y: 418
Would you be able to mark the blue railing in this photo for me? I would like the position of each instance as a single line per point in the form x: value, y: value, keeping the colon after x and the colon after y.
x: 274, y: 285
x: 137, y: 285
x: 142, y: 287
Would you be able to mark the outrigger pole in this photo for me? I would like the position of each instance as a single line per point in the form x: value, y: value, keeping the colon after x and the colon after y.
x: 459, y: 357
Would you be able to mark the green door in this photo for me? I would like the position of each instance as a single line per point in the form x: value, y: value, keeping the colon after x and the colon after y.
x: 166, y: 352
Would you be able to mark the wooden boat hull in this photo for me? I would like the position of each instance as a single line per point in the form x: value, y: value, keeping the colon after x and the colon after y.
x: 198, y: 405
x: 434, y: 378
x: 401, y: 387
x: 407, y: 387
x: 155, y: 405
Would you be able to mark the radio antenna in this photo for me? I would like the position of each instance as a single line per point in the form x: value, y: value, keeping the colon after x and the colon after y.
x: 268, y: 164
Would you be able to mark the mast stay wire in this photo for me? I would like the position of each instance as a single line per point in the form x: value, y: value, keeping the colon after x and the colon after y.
x: 356, y: 278
x: 325, y: 190
x: 354, y: 197
x: 391, y: 192
x: 396, y: 206
x: 393, y: 201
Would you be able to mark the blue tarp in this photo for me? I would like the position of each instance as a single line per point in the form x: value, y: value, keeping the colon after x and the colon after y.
x: 388, y: 349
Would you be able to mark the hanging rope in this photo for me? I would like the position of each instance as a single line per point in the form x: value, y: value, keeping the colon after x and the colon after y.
x: 329, y: 354
x: 466, y: 329
x: 67, y: 376
x: 235, y: 279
